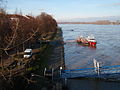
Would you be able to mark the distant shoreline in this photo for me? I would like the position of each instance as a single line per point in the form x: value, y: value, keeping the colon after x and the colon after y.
x: 102, y: 22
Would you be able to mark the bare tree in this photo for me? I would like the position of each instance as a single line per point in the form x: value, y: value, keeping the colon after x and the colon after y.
x: 3, y: 6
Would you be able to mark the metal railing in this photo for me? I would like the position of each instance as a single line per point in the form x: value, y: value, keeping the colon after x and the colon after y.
x: 96, y: 71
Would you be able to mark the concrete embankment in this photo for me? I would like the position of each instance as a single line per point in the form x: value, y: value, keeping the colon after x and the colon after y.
x: 56, y: 59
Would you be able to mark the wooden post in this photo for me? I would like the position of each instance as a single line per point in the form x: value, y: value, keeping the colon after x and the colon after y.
x: 95, y: 65
x: 52, y: 73
x: 98, y: 68
x: 60, y: 71
x: 65, y: 81
x: 45, y: 71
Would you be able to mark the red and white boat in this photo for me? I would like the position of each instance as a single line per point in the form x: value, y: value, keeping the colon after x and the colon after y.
x: 90, y: 40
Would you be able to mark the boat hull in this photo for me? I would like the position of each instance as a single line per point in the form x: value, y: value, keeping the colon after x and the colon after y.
x: 92, y: 43
x: 85, y: 42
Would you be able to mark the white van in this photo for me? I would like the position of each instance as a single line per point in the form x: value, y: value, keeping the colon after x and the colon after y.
x: 27, y: 53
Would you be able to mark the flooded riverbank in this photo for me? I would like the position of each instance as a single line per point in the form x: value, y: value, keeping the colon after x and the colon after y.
x: 107, y: 49
x: 77, y: 56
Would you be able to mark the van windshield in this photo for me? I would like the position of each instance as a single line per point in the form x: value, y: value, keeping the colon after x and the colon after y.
x: 27, y: 53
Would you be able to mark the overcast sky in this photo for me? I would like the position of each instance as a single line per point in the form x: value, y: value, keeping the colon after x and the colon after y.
x: 67, y: 9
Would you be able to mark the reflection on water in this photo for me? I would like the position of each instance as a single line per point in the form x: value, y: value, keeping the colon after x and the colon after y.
x: 85, y: 84
x: 78, y: 56
x: 83, y: 45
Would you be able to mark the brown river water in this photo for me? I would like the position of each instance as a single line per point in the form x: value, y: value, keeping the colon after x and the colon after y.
x: 107, y: 51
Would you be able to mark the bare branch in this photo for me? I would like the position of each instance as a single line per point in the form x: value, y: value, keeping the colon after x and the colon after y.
x: 14, y: 35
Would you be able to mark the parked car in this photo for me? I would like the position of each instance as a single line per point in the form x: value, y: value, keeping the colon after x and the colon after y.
x: 27, y: 53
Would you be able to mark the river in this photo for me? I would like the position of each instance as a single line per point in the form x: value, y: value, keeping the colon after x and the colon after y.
x: 107, y: 51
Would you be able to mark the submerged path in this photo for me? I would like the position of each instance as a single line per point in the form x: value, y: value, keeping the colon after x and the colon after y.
x: 101, y: 72
x: 56, y: 59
